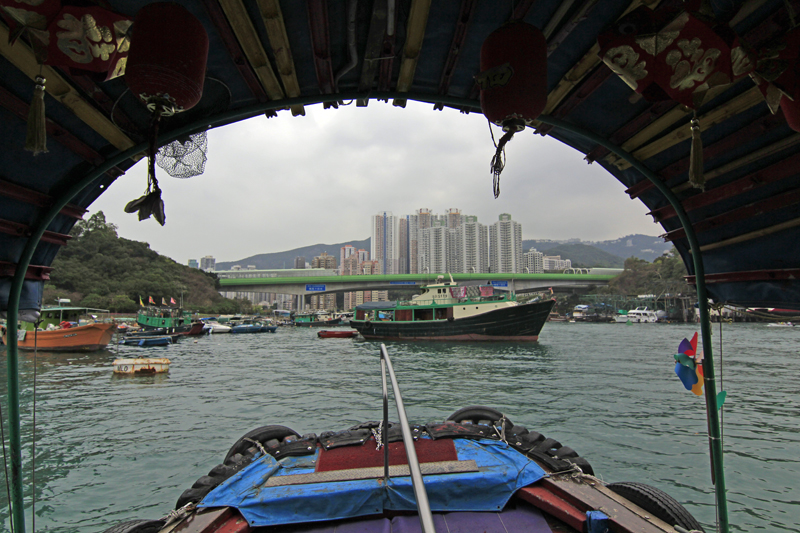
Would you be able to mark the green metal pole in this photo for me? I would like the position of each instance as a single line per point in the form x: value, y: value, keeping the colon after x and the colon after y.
x: 14, y: 439
x: 714, y: 432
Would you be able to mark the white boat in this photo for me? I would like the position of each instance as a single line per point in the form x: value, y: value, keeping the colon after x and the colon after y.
x: 141, y: 366
x: 780, y: 325
x: 642, y: 315
x: 215, y: 327
x: 621, y: 317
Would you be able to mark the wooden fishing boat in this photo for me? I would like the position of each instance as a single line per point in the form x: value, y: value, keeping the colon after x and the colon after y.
x: 448, y: 312
x: 711, y: 152
x: 87, y: 338
x: 336, y: 334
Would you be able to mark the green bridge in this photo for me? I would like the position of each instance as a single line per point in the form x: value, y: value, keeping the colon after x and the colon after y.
x: 519, y: 283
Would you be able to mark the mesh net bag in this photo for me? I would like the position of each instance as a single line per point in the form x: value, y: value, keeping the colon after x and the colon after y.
x: 184, y: 159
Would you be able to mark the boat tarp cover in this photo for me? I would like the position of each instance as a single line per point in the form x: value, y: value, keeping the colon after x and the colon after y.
x: 369, y: 306
x: 502, y: 471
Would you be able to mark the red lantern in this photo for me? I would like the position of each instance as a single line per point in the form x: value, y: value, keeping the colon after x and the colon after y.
x: 167, y: 59
x: 513, y: 78
x: 513, y: 82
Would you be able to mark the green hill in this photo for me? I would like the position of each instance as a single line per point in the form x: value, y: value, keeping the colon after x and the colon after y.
x: 100, y: 269
x: 585, y: 256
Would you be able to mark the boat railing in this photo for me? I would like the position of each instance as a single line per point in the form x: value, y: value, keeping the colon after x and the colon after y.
x: 466, y: 300
x: 421, y: 495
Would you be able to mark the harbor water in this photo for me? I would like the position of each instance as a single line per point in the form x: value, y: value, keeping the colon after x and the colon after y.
x: 113, y: 448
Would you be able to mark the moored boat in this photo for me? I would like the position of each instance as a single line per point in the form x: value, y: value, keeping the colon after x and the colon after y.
x: 446, y: 311
x: 88, y: 338
x: 65, y: 329
x: 141, y: 365
x: 340, y: 334
x: 173, y: 319
x: 315, y: 320
x: 642, y: 315
x: 212, y: 326
x: 149, y: 340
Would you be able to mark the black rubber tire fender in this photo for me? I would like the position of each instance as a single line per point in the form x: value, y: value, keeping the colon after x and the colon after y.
x: 476, y: 413
x: 656, y: 502
x: 137, y: 526
x: 262, y: 435
x: 192, y: 495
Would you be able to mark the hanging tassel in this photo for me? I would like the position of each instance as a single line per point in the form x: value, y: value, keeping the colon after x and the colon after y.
x: 499, y: 161
x: 36, y: 138
x: 696, y: 176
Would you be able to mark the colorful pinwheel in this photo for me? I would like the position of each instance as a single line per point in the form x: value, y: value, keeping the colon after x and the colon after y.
x: 689, y: 366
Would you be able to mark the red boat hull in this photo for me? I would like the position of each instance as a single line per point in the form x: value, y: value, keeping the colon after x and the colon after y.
x: 325, y: 334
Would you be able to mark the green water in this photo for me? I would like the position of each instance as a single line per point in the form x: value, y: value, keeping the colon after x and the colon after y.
x: 112, y: 448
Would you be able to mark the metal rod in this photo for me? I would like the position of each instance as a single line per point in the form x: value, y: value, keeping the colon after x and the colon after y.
x: 385, y: 423
x: 423, y: 507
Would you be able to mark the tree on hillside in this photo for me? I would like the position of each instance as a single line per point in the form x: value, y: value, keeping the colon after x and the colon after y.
x: 663, y: 276
x: 100, y: 269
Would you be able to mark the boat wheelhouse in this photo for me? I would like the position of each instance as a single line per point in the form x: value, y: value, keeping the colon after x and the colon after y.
x: 447, y: 311
x: 171, y: 318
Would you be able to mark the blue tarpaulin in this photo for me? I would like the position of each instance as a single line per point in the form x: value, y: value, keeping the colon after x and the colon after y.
x: 502, y: 470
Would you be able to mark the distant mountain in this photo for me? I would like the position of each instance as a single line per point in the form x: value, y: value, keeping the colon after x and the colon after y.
x: 608, y: 254
x: 641, y: 246
x: 286, y: 259
x: 585, y: 256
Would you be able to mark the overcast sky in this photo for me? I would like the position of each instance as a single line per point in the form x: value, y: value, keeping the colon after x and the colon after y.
x: 276, y: 184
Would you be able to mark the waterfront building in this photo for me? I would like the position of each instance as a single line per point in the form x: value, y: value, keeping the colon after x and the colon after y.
x: 384, y: 242
x: 208, y: 263
x: 505, y: 246
x: 193, y: 263
x: 534, y: 261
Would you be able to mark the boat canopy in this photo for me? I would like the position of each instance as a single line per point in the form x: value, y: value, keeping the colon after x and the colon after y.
x: 744, y: 216
x: 372, y: 306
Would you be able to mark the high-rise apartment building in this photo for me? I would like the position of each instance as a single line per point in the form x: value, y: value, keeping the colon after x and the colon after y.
x: 505, y: 246
x: 403, y: 244
x: 299, y: 262
x: 471, y: 240
x: 453, y: 217
x: 193, y: 263
x: 208, y: 263
x: 344, y: 252
x: 434, y: 248
x: 384, y: 242
x: 534, y: 261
